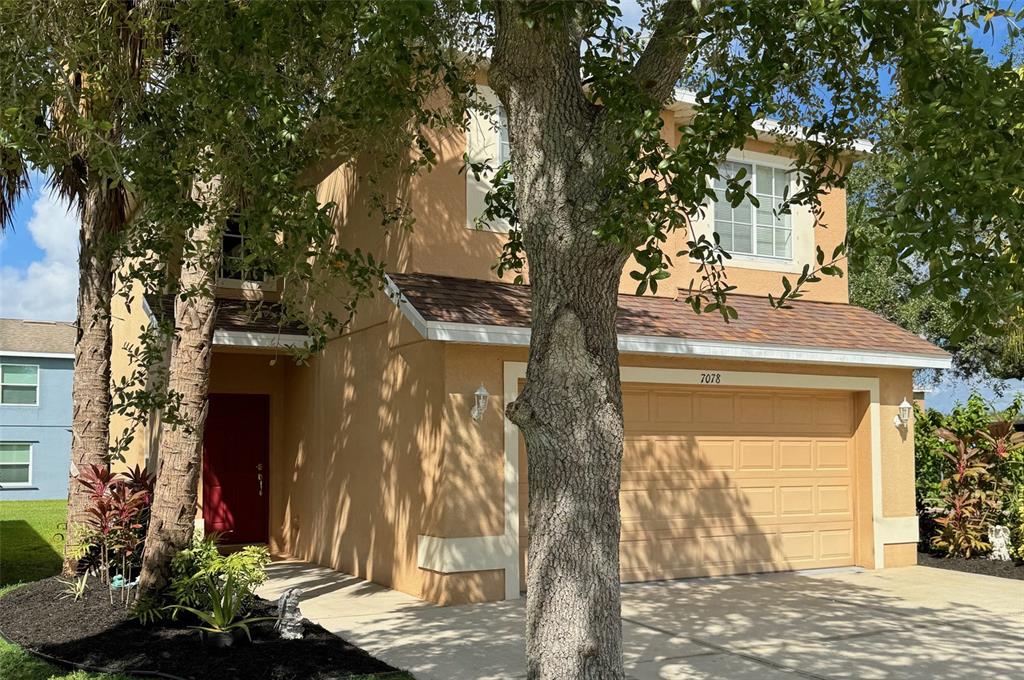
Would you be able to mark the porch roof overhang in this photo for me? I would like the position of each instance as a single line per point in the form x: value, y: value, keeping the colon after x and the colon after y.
x: 242, y: 323
x: 449, y: 309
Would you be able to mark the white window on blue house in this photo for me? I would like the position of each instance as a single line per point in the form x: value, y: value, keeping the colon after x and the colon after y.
x: 19, y: 385
x: 747, y: 230
x: 15, y: 464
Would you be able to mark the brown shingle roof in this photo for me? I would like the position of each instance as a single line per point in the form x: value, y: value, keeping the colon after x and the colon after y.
x: 820, y: 325
x: 47, y: 337
x: 239, y: 315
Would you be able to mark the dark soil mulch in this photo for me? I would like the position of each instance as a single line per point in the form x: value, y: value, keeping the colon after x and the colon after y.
x: 977, y: 565
x: 94, y: 633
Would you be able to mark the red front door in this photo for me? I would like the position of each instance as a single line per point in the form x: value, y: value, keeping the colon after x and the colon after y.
x: 236, y: 455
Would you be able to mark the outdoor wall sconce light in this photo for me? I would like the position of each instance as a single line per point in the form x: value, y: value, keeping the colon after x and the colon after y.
x: 903, y: 418
x: 479, y: 403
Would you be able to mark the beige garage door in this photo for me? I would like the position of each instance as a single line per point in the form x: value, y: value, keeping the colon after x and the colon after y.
x: 720, y: 481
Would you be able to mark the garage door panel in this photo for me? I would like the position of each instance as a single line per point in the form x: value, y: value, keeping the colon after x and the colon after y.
x: 757, y: 454
x: 836, y: 544
x: 636, y: 406
x: 720, y: 481
x: 711, y: 408
x: 674, y: 409
x: 832, y: 455
x: 796, y: 455
x: 795, y: 410
x: 756, y: 409
x: 835, y: 499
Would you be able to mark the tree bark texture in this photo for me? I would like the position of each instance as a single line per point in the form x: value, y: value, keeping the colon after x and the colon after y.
x: 102, y: 216
x: 179, y: 466
x: 570, y: 411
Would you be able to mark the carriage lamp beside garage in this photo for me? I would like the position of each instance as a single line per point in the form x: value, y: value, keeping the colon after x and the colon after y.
x: 479, y: 403
x: 903, y: 417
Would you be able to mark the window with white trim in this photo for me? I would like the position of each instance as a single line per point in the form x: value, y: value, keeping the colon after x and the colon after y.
x: 504, y: 150
x: 19, y: 384
x: 15, y: 464
x: 748, y: 230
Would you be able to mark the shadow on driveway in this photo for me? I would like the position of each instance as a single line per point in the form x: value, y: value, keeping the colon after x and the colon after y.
x: 909, y: 623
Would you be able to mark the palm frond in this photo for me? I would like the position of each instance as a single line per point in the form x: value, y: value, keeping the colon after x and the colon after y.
x: 13, y: 183
x: 70, y: 182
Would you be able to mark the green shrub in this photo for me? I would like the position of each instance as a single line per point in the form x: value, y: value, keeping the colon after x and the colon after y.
x: 928, y: 457
x: 970, y: 467
x: 224, y: 601
x: 192, y: 570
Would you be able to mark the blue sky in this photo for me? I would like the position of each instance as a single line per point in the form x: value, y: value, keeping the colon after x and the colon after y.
x: 39, y: 258
x: 39, y: 278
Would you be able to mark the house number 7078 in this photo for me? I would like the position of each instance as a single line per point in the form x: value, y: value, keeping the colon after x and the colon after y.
x: 710, y: 378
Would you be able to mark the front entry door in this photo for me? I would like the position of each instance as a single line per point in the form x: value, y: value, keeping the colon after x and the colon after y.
x: 236, y: 456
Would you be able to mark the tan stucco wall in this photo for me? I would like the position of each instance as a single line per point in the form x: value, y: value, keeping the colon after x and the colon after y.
x: 363, y: 423
x: 128, y: 321
x: 900, y: 555
x: 441, y: 242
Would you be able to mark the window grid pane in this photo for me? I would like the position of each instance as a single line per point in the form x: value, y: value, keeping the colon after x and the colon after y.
x: 19, y: 374
x: 748, y: 230
x: 15, y: 453
x: 14, y: 474
x: 15, y: 463
x: 18, y: 395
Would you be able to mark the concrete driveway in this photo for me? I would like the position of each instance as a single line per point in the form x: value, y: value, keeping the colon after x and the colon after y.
x: 914, y: 622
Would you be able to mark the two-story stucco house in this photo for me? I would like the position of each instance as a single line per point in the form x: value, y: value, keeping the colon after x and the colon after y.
x: 775, y: 442
x: 36, y: 367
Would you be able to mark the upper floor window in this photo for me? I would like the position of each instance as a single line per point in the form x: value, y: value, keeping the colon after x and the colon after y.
x: 504, y: 150
x: 15, y: 464
x: 233, y: 266
x: 749, y: 230
x: 19, y: 385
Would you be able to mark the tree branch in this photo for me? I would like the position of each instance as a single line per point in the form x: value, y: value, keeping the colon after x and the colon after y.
x: 658, y: 68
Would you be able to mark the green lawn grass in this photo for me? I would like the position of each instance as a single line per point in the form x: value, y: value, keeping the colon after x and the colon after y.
x: 31, y: 543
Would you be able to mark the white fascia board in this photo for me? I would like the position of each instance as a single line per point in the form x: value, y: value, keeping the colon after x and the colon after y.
x: 648, y: 344
x: 225, y: 338
x: 408, y: 310
x: 773, y: 127
x: 37, y: 355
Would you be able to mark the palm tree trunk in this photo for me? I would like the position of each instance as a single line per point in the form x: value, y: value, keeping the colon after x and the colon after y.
x: 90, y: 420
x: 172, y: 516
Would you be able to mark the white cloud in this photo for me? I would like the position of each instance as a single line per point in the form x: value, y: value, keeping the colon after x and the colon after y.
x: 47, y: 288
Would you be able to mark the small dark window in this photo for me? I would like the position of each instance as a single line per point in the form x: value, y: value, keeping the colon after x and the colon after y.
x: 233, y: 256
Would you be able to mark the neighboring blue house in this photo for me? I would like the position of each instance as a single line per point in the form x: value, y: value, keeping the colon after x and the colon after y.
x: 36, y: 367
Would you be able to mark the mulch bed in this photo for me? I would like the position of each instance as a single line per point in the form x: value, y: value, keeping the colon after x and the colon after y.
x: 93, y: 633
x: 978, y: 565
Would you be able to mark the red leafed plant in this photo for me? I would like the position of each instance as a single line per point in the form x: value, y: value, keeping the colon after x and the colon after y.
x: 971, y: 496
x: 110, y: 540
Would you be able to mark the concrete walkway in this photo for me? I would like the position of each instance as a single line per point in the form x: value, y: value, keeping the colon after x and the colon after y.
x: 906, y: 623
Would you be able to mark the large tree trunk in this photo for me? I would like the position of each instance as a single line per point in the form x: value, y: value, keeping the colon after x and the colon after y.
x: 564, y: 148
x: 570, y: 412
x: 172, y: 517
x: 102, y: 215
